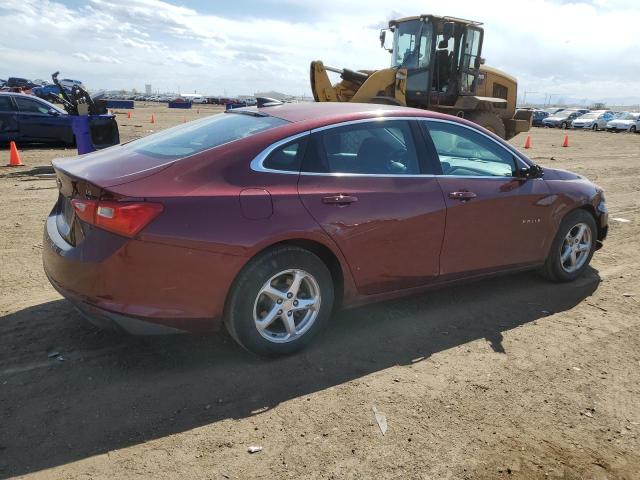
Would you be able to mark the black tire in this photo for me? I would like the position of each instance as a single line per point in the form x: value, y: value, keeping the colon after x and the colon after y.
x: 553, y: 269
x: 488, y: 120
x: 239, y: 312
x: 595, y: 127
x: 633, y: 129
x: 564, y: 126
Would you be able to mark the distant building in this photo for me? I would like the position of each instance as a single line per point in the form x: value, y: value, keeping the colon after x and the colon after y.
x: 147, y: 89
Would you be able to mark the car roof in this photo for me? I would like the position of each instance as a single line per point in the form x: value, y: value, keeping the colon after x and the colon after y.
x: 325, y: 113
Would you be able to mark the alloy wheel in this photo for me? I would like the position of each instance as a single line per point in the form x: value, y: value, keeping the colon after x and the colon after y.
x: 287, y: 305
x: 575, y: 248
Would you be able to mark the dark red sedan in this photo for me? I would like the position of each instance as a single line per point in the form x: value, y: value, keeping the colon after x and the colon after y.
x: 268, y: 218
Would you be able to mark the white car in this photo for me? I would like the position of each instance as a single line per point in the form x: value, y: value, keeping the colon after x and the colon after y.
x: 626, y: 122
x: 595, y: 120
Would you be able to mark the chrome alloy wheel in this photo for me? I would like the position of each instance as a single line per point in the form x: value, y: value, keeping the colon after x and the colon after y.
x: 575, y: 248
x: 287, y: 305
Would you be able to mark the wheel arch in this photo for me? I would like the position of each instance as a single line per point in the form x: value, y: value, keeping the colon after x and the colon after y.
x: 341, y: 278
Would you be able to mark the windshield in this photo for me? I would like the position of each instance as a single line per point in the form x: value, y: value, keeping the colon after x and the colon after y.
x: 194, y: 137
x: 412, y: 44
x: 629, y: 116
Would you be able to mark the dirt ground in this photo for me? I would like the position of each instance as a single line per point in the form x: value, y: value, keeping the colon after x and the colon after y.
x: 512, y: 377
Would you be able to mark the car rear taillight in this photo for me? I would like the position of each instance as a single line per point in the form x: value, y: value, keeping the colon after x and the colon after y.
x: 123, y: 218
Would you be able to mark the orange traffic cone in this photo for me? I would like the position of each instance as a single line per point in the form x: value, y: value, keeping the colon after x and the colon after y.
x: 566, y: 141
x: 14, y: 156
x: 527, y: 142
x: 153, y: 118
x: 128, y: 114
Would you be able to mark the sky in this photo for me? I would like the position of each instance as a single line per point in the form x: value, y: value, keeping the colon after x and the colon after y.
x: 567, y: 49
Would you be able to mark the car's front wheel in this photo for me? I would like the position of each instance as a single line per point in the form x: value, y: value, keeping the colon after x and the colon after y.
x: 572, y: 247
x: 633, y: 129
x: 280, y: 301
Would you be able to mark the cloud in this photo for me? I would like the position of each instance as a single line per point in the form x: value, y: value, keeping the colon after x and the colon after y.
x: 560, y: 47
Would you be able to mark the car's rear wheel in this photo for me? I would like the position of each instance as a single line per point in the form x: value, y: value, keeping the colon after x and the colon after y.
x: 633, y: 129
x: 280, y: 301
x: 564, y: 125
x: 572, y: 247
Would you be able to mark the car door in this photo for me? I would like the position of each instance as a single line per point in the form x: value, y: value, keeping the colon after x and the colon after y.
x: 495, y: 219
x: 363, y: 183
x: 8, y: 119
x: 37, y: 122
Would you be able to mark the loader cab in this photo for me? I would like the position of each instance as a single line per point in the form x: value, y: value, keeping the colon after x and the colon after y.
x: 441, y: 56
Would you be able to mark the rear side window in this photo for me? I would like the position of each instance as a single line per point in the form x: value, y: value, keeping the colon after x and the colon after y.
x: 31, y: 106
x: 5, y: 104
x: 380, y: 147
x: 194, y: 137
x: 285, y: 158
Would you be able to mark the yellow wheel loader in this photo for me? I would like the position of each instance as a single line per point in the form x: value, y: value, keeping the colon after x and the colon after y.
x: 436, y: 64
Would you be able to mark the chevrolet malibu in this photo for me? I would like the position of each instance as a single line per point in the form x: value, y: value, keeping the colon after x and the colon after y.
x: 267, y: 219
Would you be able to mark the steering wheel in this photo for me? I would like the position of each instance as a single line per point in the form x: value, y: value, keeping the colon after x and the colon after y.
x: 396, y: 163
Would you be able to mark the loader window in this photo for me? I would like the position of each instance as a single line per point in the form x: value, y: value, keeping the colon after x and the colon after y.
x: 412, y: 45
x: 469, y: 61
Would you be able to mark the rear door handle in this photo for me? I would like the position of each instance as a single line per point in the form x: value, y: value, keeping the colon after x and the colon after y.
x: 339, y: 199
x: 464, y: 195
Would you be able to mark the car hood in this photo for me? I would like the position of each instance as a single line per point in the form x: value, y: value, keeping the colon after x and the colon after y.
x: 558, y: 174
x: 553, y: 118
x: 111, y: 166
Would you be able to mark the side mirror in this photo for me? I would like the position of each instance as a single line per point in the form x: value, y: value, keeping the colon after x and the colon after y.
x: 534, y: 171
x: 383, y: 40
x: 53, y: 112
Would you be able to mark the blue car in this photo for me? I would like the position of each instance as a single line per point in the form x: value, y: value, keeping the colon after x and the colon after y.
x: 538, y: 117
x: 29, y: 119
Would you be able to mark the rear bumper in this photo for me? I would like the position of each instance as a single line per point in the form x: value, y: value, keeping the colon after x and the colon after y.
x: 140, y: 287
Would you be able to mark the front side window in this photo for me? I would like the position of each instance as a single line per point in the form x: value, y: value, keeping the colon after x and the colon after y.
x: 194, y: 137
x: 380, y: 148
x: 28, y: 105
x: 464, y: 152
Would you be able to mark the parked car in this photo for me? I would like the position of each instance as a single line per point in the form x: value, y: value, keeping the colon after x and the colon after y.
x: 554, y: 110
x: 538, y: 116
x: 265, y: 219
x: 29, y: 119
x: 625, y: 122
x: 596, y: 120
x: 562, y: 119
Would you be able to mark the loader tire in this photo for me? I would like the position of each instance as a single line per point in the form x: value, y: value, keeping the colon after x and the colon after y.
x: 488, y: 120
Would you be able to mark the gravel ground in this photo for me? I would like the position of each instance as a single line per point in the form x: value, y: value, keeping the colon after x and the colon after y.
x: 511, y: 377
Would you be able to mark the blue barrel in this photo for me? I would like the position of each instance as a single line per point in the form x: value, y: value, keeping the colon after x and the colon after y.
x: 82, y: 132
x: 126, y: 104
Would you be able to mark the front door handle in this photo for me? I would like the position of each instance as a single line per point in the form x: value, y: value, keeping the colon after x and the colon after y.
x: 339, y: 199
x: 463, y: 195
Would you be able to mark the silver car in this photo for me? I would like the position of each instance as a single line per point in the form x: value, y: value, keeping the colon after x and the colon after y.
x: 595, y: 120
x: 626, y: 122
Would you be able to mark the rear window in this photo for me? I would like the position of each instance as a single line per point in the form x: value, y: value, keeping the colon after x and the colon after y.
x: 194, y: 137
